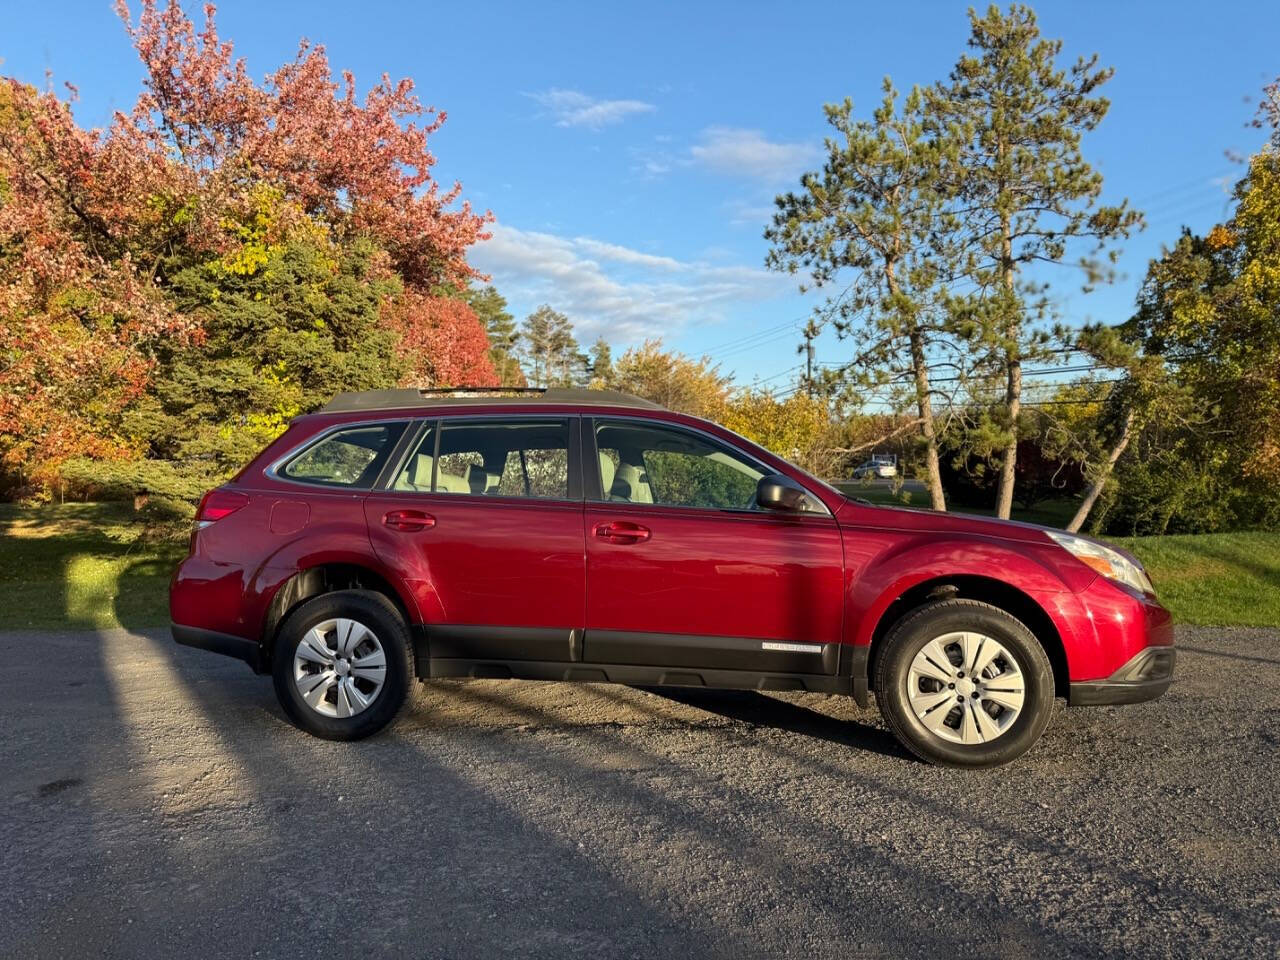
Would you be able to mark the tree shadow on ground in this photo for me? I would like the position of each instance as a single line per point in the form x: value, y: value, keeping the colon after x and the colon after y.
x: 1201, y: 651
x: 760, y: 710
x: 1269, y: 575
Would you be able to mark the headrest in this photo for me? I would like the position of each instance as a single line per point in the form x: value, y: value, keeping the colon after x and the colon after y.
x: 480, y: 480
x: 416, y: 474
x: 606, y: 473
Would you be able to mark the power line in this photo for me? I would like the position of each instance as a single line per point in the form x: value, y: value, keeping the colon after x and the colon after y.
x: 1185, y: 214
x: 1042, y: 372
x: 759, y: 343
x: 1201, y: 181
x: 759, y: 338
x: 781, y: 374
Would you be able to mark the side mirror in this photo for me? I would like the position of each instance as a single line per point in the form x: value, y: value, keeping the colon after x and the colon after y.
x: 776, y: 492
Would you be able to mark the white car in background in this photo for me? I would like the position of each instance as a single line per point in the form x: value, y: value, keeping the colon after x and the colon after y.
x: 878, y: 467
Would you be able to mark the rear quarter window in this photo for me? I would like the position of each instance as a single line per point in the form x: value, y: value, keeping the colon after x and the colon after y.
x: 350, y: 457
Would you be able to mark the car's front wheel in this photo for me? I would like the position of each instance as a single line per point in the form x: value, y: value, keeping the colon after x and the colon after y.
x: 343, y: 664
x: 965, y: 684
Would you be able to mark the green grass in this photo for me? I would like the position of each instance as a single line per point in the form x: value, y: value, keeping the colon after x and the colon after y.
x: 1218, y: 579
x: 95, y: 565
x: 83, y: 565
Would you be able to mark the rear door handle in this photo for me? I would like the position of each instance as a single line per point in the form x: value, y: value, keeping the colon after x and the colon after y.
x: 620, y: 531
x: 408, y: 521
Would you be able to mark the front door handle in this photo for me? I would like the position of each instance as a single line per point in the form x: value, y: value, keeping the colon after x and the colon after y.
x: 408, y: 521
x: 620, y: 531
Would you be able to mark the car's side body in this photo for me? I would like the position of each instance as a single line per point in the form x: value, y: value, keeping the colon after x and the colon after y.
x: 579, y: 587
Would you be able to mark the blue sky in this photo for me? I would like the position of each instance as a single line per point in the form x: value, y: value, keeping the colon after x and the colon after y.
x: 631, y: 152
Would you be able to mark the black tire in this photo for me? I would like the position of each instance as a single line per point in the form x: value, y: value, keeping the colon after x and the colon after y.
x: 909, y: 636
x: 380, y: 616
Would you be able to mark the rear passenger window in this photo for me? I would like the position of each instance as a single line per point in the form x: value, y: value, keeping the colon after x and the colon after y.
x: 518, y: 458
x: 346, y: 458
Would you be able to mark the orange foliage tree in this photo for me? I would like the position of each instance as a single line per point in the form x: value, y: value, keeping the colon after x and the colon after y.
x: 94, y: 224
x: 441, y: 341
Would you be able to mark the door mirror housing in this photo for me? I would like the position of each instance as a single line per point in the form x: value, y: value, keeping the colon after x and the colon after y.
x: 776, y: 492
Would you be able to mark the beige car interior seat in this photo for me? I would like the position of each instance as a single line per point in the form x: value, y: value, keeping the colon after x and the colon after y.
x: 606, y: 473
x: 630, y: 483
x: 416, y: 475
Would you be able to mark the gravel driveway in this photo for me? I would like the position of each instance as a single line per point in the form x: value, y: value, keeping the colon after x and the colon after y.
x: 156, y: 803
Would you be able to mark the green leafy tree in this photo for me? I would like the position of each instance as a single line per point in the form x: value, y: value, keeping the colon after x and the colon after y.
x: 798, y: 427
x: 1208, y: 307
x: 1096, y: 421
x: 1022, y: 193
x: 284, y: 329
x: 870, y: 220
x: 671, y: 379
x: 1210, y: 304
x: 114, y: 243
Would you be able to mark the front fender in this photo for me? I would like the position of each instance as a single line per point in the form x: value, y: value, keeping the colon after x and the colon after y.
x: 883, y: 565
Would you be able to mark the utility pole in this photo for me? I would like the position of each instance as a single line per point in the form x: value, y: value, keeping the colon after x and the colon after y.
x: 808, y: 359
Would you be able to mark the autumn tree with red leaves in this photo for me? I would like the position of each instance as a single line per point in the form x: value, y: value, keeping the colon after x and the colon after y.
x: 80, y: 318
x: 361, y: 166
x: 122, y: 248
x: 440, y: 340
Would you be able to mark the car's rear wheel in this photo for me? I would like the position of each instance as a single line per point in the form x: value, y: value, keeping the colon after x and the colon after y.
x: 343, y: 664
x: 965, y: 684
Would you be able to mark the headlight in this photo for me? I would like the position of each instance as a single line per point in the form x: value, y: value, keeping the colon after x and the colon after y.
x: 1112, y: 564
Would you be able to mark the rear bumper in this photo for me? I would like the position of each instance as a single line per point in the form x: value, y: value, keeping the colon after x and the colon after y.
x: 223, y: 643
x: 1146, y: 676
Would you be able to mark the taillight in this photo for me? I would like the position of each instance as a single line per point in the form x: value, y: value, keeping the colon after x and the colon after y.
x: 218, y: 504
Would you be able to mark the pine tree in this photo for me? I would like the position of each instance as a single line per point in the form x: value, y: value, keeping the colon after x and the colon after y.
x: 601, y: 363
x: 550, y: 351
x: 491, y: 307
x: 871, y: 215
x: 1022, y: 190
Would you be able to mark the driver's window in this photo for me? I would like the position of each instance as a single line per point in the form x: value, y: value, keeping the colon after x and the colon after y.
x: 640, y: 463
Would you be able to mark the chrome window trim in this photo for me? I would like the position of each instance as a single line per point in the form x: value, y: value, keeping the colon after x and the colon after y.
x: 594, y: 416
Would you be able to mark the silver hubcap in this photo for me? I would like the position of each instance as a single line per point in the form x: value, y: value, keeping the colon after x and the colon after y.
x: 339, y: 668
x: 966, y: 687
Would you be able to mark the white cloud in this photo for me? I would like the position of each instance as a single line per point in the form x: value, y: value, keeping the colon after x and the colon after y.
x: 653, y: 167
x: 650, y: 164
x: 608, y: 290
x: 747, y: 153
x: 611, y: 251
x: 572, y: 108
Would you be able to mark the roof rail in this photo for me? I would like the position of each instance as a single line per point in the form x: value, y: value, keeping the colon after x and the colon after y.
x: 479, y: 396
x: 479, y: 391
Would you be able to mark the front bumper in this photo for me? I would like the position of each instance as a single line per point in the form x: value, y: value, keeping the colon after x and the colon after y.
x: 1144, y: 677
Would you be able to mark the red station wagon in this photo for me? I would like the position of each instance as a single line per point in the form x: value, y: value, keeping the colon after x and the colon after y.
x: 586, y: 535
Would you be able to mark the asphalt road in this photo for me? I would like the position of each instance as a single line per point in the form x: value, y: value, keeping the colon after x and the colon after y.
x: 156, y: 803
